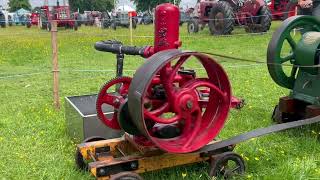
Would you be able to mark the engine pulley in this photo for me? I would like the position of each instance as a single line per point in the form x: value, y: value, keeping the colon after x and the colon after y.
x: 198, y: 121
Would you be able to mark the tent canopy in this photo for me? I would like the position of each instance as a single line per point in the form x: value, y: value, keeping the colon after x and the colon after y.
x: 22, y: 11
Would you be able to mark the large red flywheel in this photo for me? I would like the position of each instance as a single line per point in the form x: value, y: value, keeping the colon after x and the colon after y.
x: 196, y: 108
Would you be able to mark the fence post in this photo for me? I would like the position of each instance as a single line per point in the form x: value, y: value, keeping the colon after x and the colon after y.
x: 55, y: 66
x: 131, y: 33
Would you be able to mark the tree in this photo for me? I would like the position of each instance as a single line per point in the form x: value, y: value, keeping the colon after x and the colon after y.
x: 18, y: 4
x: 92, y: 5
x: 143, y: 5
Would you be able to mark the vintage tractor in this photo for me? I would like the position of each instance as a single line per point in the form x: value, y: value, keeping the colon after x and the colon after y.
x: 294, y: 63
x: 282, y: 9
x: 2, y: 19
x: 60, y: 14
x: 33, y: 19
x: 121, y: 17
x: 105, y: 20
x: 221, y: 16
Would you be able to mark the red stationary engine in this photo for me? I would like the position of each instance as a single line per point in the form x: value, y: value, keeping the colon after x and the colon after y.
x: 165, y: 104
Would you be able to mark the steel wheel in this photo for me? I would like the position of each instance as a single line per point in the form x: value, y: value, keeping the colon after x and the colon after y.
x: 275, y: 49
x: 126, y: 176
x: 227, y: 166
x: 199, y: 121
x: 81, y: 163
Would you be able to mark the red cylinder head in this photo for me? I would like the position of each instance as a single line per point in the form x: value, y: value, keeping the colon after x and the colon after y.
x: 167, y: 17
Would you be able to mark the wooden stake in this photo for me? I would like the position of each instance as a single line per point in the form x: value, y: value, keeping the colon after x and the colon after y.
x: 55, y: 69
x: 131, y: 32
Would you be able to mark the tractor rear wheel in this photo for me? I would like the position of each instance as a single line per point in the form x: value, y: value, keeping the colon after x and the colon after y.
x: 48, y: 26
x: 261, y: 22
x: 134, y: 24
x: 2, y: 21
x: 114, y: 26
x: 290, y: 7
x: 221, y: 18
x: 193, y: 26
x: 75, y: 25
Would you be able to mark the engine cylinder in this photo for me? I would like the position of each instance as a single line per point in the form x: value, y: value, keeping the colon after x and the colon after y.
x: 167, y: 17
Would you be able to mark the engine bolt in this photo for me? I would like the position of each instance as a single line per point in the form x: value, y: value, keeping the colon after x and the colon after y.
x: 102, y: 172
x: 133, y: 165
x: 189, y: 104
x: 116, y: 101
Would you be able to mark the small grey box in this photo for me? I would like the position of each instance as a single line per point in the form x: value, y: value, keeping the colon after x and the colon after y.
x: 82, y: 121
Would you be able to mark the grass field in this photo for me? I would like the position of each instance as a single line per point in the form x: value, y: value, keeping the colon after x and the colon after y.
x: 33, y: 139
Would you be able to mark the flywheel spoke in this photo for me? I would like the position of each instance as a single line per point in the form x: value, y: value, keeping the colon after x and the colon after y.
x: 291, y: 42
x: 205, y: 83
x: 168, y: 81
x: 294, y: 72
x: 189, y: 121
x: 162, y: 120
x: 161, y: 110
x: 287, y: 58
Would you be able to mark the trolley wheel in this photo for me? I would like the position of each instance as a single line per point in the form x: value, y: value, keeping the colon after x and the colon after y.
x: 80, y: 161
x: 227, y: 166
x: 126, y: 176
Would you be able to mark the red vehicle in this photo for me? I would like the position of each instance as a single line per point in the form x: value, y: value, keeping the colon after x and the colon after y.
x: 282, y: 9
x: 32, y: 19
x: 61, y: 14
x: 35, y: 19
x: 223, y: 15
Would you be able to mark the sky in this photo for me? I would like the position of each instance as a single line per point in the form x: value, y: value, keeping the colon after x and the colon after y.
x: 35, y: 3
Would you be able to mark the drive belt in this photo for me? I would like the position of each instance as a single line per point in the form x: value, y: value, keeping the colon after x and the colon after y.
x: 257, y: 133
x: 259, y: 62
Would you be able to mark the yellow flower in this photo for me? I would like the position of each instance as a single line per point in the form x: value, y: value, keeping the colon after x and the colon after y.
x: 256, y: 158
x: 184, y: 175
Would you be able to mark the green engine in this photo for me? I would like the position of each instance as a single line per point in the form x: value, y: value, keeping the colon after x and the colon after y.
x: 293, y: 63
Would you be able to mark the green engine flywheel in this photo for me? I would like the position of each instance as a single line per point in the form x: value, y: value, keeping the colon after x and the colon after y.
x: 301, y: 52
x: 297, y: 43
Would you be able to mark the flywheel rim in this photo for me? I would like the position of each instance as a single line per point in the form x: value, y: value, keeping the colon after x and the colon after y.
x: 207, y: 125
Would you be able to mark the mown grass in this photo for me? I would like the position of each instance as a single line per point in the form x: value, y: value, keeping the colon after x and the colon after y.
x: 33, y: 139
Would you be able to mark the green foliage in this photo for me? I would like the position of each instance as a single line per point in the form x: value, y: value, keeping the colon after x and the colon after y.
x: 92, y: 5
x: 143, y: 5
x: 18, y: 4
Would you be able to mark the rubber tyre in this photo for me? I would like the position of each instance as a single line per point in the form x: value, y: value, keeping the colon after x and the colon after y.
x: 219, y: 164
x: 113, y: 26
x: 80, y: 162
x: 226, y: 10
x: 126, y: 176
x: 43, y: 22
x: 28, y: 24
x: 10, y: 21
x: 146, y: 19
x: 289, y: 7
x: 75, y: 26
x: 264, y: 19
x: 134, y: 24
x: 48, y: 27
x: 2, y: 21
x: 193, y: 26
